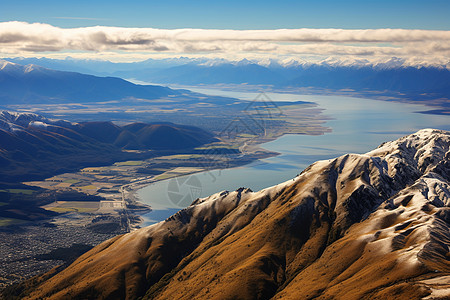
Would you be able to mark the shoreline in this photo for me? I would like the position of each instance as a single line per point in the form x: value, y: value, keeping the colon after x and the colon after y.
x: 132, y: 189
x: 119, y: 182
x: 251, y: 152
x: 437, y: 106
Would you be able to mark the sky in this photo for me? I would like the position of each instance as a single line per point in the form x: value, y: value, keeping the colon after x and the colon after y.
x: 135, y: 30
x: 232, y: 14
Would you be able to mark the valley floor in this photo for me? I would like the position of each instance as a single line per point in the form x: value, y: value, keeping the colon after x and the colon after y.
x: 33, y: 249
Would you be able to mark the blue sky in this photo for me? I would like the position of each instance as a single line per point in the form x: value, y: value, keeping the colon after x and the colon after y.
x: 369, y: 31
x: 231, y: 14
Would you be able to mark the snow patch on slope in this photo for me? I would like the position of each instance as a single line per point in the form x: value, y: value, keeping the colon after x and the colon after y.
x: 14, y: 121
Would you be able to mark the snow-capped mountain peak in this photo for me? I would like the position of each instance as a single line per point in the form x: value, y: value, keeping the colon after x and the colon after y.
x: 4, y: 64
x: 423, y: 149
x: 362, y: 225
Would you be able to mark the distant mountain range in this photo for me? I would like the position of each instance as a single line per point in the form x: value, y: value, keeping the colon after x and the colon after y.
x: 371, y: 226
x: 32, y: 146
x: 35, y: 84
x: 411, y: 82
x: 390, y: 78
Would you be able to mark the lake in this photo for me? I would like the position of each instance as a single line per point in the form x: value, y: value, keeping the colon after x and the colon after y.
x: 358, y: 126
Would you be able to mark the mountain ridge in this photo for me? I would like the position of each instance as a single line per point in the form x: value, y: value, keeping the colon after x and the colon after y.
x: 368, y: 225
x: 33, y: 146
x: 387, y: 80
x: 36, y: 85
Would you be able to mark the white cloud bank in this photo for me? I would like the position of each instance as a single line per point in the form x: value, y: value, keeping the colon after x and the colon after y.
x: 418, y: 46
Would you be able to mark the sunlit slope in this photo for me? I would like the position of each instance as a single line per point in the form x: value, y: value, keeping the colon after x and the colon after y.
x: 374, y: 225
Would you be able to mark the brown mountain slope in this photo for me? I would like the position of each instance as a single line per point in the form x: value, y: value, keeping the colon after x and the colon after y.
x: 359, y: 226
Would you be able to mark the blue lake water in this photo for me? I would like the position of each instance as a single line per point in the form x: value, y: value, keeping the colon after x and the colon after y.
x: 358, y: 126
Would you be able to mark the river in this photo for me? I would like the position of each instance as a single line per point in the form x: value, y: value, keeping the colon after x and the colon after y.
x: 358, y: 126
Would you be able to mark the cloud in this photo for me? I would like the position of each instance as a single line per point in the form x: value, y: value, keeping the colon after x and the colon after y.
x: 430, y: 45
